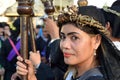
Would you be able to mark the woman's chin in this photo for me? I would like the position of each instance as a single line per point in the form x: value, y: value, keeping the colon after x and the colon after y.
x: 67, y: 61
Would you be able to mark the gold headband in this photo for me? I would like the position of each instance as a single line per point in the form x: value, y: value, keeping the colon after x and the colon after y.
x: 71, y: 15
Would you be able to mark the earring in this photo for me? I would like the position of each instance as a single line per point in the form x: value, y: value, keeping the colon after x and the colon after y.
x: 95, y: 52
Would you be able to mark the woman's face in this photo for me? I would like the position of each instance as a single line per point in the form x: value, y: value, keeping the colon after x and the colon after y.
x: 77, y: 46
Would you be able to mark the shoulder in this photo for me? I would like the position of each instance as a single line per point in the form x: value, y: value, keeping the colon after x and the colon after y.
x: 92, y: 74
x: 95, y: 78
x: 55, y: 42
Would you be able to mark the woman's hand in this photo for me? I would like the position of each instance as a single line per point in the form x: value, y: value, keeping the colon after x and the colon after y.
x: 35, y: 58
x: 15, y: 76
x: 22, y: 68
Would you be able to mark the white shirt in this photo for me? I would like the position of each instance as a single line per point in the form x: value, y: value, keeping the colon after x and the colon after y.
x: 117, y: 44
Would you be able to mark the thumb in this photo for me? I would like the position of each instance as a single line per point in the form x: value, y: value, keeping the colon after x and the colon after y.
x: 29, y: 63
x: 31, y: 70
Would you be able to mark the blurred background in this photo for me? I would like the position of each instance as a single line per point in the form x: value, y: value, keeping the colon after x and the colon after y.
x: 8, y: 8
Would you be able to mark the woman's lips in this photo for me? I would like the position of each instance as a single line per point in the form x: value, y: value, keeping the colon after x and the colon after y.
x: 67, y: 55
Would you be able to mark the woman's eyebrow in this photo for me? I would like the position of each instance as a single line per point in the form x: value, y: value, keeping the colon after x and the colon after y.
x: 70, y: 33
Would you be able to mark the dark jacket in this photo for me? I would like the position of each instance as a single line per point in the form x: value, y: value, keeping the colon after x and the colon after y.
x: 56, y: 59
x: 10, y: 66
x: 44, y: 72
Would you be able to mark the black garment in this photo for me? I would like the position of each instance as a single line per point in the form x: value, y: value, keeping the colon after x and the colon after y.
x: 10, y: 66
x: 96, y: 14
x: 114, y: 22
x: 1, y: 42
x: 109, y: 57
x: 111, y: 15
x: 93, y: 78
x: 44, y: 72
x: 92, y: 74
x: 41, y: 44
x: 56, y: 59
x: 58, y: 67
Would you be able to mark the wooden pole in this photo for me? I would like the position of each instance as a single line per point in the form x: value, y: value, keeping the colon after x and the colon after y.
x: 32, y: 35
x: 25, y: 10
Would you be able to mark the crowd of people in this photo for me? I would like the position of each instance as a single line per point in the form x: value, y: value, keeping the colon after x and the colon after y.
x: 82, y: 44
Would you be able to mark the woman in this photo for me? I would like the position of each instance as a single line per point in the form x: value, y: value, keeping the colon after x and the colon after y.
x: 84, y: 46
x: 112, y: 19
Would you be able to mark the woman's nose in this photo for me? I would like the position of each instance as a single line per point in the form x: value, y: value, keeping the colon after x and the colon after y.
x: 66, y: 44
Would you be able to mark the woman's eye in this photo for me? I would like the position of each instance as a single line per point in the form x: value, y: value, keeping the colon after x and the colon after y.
x: 62, y: 37
x: 74, y: 38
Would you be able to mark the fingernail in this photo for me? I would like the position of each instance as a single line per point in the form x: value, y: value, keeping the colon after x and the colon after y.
x: 30, y: 52
x: 37, y: 51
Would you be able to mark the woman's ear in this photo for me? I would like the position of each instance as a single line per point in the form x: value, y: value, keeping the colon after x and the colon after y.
x: 97, y: 41
x: 108, y: 27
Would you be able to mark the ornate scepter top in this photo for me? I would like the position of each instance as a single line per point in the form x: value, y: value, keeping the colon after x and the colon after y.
x: 25, y: 7
x: 82, y: 2
x: 49, y: 8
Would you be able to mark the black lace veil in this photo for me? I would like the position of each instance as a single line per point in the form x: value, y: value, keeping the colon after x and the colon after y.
x: 109, y: 57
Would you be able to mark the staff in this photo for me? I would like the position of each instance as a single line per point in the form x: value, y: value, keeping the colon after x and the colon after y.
x: 25, y: 10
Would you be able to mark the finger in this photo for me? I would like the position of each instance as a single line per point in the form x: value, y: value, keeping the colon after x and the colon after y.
x: 19, y: 58
x: 38, y: 52
x: 30, y: 65
x: 32, y: 52
x: 21, y: 71
x: 21, y: 64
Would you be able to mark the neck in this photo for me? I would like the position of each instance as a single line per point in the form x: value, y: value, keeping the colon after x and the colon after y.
x: 86, y: 65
